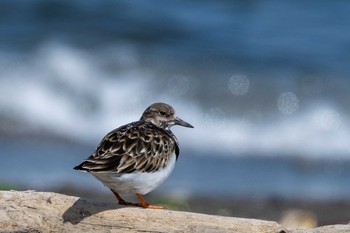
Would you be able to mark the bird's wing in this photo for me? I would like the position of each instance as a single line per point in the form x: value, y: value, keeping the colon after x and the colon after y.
x: 141, y: 147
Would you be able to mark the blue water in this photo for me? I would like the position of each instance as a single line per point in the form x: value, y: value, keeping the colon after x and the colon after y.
x: 265, y: 83
x: 45, y: 166
x: 292, y: 36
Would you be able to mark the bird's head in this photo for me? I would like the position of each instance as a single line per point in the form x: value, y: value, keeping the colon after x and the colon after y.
x: 163, y: 116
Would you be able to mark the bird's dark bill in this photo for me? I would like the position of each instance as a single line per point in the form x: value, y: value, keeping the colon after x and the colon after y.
x: 183, y: 123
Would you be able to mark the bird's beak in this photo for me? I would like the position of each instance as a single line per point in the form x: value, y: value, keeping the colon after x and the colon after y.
x: 183, y: 123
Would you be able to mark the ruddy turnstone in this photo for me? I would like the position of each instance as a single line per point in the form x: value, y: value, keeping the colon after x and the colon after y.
x: 137, y: 157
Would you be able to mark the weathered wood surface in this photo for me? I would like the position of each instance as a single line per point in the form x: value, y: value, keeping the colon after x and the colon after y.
x: 32, y: 211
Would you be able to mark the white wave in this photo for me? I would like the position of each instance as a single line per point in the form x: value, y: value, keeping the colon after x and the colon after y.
x: 319, y: 132
x: 70, y: 92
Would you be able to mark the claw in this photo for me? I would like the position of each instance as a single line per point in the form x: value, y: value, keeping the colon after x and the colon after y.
x: 145, y: 204
x: 142, y: 203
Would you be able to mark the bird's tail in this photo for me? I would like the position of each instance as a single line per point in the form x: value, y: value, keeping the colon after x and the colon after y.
x: 81, y: 168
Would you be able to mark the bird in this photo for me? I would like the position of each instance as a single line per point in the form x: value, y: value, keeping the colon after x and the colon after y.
x: 138, y: 157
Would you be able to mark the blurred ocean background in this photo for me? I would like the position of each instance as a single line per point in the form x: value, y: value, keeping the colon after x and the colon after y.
x: 265, y: 83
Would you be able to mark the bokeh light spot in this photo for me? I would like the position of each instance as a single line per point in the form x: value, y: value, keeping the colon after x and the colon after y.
x: 238, y: 84
x: 328, y: 120
x: 287, y: 103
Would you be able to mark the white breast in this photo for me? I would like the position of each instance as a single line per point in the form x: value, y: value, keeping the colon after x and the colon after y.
x: 136, y: 182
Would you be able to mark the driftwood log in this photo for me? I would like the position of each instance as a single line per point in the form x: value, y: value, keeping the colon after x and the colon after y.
x: 32, y: 211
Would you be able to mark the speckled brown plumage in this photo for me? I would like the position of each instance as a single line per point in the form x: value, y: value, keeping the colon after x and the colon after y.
x: 137, y: 146
x: 137, y: 157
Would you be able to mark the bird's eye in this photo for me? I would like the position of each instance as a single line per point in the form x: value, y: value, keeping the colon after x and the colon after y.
x: 162, y: 112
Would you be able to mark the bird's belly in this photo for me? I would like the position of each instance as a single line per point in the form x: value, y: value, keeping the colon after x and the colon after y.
x: 136, y: 182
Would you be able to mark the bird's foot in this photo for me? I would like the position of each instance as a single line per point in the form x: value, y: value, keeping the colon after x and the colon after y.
x: 145, y: 204
x: 127, y: 203
x: 121, y: 201
x: 142, y: 203
x: 148, y: 206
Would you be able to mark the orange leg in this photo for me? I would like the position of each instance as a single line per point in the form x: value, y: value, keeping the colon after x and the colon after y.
x: 122, y: 201
x: 144, y: 204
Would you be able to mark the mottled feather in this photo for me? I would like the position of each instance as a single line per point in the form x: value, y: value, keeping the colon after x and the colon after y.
x: 140, y: 146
